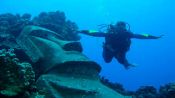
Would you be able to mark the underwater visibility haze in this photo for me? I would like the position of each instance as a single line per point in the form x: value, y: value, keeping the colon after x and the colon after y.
x: 155, y: 59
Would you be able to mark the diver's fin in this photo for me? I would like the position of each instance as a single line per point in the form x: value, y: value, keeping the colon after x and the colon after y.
x: 130, y: 66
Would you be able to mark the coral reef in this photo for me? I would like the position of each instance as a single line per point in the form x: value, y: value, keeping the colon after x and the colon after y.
x: 116, y: 86
x: 15, y: 77
x: 146, y: 92
x: 56, y: 21
x: 11, y: 25
x: 167, y: 91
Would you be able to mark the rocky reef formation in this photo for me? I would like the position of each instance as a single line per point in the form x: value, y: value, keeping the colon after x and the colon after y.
x: 49, y: 43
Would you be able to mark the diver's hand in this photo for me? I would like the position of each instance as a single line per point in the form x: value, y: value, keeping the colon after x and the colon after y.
x: 159, y: 36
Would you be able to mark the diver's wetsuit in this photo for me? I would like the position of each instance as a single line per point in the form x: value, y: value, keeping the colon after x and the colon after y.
x: 117, y: 44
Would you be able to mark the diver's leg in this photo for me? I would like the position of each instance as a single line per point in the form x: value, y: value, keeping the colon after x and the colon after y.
x: 121, y: 57
x: 107, y: 55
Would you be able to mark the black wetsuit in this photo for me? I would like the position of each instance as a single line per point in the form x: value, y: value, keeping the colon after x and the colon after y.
x: 117, y: 44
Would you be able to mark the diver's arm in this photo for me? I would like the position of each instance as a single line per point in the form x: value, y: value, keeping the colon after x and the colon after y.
x: 93, y: 33
x: 145, y: 36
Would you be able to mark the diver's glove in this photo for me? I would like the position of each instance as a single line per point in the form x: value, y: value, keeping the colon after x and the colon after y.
x: 155, y: 37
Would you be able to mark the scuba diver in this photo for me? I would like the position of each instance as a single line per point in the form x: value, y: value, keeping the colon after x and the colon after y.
x: 117, y: 41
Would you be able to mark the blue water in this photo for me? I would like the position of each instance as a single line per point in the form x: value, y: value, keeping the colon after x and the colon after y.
x: 154, y: 58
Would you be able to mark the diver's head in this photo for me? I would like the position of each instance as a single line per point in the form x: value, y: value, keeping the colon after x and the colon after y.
x: 121, y: 26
